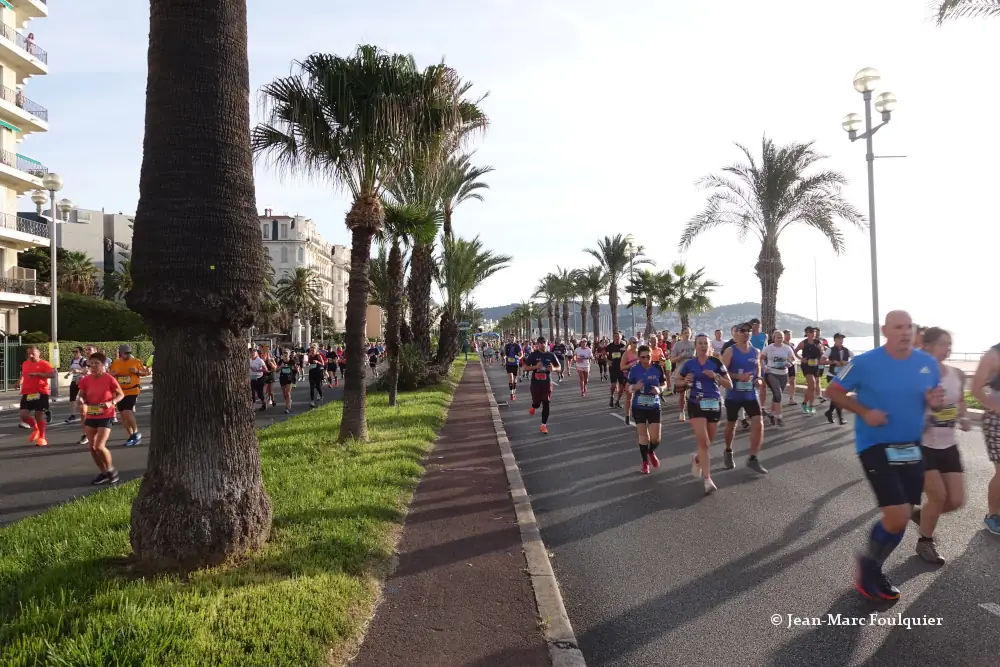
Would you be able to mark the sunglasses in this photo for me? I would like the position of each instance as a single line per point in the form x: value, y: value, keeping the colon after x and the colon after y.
x: 645, y: 356
x: 744, y: 331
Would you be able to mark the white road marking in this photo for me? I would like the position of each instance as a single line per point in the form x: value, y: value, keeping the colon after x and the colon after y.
x: 617, y: 416
x: 991, y: 607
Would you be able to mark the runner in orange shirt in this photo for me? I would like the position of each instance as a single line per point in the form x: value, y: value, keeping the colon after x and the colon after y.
x: 128, y: 372
x: 35, y: 376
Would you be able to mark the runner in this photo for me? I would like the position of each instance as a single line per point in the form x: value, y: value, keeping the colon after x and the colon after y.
x: 315, y: 374
x: 702, y: 376
x: 372, y: 361
x: 128, y: 372
x: 944, y: 482
x: 986, y: 389
x: 743, y: 360
x: 779, y: 361
x: 512, y: 357
x: 582, y: 356
x: 288, y: 374
x: 646, y: 380
x: 258, y: 368
x: 838, y: 356
x: 559, y: 349
x: 331, y: 368
x: 541, y: 363
x: 893, y: 385
x: 812, y: 355
x: 267, y: 379
x: 629, y: 359
x: 759, y: 340
x: 35, y: 376
x: 793, y: 373
x: 602, y: 358
x: 77, y: 369
x: 99, y: 394
x: 341, y: 364
x: 717, y: 343
x: 616, y: 373
x: 683, y: 349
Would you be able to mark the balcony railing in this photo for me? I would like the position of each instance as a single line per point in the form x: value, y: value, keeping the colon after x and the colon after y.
x: 22, y: 163
x: 22, y: 42
x: 28, y: 287
x: 17, y: 98
x: 11, y: 221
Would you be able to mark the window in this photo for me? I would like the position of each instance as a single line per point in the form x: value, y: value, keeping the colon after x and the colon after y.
x: 283, y: 233
x: 263, y: 232
x: 284, y: 254
x: 302, y: 255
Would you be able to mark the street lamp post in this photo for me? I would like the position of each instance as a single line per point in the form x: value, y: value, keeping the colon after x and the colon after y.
x: 39, y: 199
x: 630, y: 247
x: 53, y: 183
x: 865, y: 82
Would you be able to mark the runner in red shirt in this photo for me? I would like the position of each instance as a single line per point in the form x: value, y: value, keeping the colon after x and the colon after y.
x: 35, y: 376
x: 99, y: 394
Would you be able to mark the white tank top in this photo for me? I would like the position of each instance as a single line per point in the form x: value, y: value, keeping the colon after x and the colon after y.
x: 940, y: 431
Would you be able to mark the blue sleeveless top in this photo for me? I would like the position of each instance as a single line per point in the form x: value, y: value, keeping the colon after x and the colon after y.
x: 743, y: 362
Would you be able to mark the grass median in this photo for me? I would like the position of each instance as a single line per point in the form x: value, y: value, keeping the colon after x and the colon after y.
x: 303, y: 600
x: 800, y: 381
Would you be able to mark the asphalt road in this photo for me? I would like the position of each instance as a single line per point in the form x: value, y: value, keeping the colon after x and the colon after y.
x: 655, y: 573
x: 33, y: 479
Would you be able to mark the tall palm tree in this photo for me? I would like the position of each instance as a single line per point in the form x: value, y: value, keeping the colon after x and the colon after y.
x: 767, y: 196
x: 378, y: 279
x: 546, y: 290
x: 537, y: 310
x: 464, y: 265
x: 565, y: 290
x: 593, y: 281
x: 298, y: 292
x: 123, y: 278
x: 459, y: 183
x: 580, y: 292
x: 355, y: 120
x: 78, y: 273
x: 613, y: 256
x: 956, y: 9
x: 690, y: 292
x: 198, y: 278
x: 649, y: 290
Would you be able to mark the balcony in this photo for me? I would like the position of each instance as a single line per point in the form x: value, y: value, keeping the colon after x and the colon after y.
x: 26, y: 115
x: 21, y: 173
x: 20, y: 287
x: 25, y: 57
x: 29, y: 9
x: 22, y: 231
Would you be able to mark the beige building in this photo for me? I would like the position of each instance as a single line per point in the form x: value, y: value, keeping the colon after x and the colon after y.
x: 292, y: 242
x: 374, y: 323
x: 21, y: 57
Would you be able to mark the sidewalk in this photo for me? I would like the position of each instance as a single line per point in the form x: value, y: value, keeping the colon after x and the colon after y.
x: 460, y: 596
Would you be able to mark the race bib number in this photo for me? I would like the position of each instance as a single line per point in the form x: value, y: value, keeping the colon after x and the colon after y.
x: 646, y: 401
x: 812, y: 362
x: 124, y: 379
x: 33, y: 397
x: 286, y: 371
x: 743, y: 386
x: 511, y: 360
x: 711, y: 404
x: 946, y: 416
x: 616, y: 355
x: 903, y: 454
x: 541, y: 376
x: 778, y: 363
x: 94, y: 410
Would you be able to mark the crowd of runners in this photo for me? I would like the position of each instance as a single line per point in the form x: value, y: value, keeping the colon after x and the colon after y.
x: 908, y: 404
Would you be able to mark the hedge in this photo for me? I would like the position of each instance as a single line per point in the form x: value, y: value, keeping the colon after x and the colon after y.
x: 141, y: 349
x: 83, y: 317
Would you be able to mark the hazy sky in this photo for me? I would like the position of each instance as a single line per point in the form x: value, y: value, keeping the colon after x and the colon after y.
x: 603, y: 116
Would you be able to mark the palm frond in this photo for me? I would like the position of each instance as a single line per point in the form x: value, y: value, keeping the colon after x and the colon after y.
x: 971, y: 9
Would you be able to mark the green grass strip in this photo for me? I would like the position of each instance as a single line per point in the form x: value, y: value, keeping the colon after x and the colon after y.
x: 303, y: 600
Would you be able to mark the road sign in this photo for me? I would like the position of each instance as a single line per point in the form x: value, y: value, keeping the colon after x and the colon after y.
x: 463, y: 326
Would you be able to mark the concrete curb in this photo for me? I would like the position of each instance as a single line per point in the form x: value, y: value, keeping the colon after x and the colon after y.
x: 563, y: 648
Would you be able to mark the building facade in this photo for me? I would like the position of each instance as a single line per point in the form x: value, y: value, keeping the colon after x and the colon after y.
x: 21, y: 57
x: 293, y: 242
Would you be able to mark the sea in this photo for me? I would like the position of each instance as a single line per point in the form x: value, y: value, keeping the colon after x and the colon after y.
x: 964, y: 348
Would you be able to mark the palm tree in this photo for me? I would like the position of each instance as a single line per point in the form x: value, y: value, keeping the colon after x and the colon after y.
x: 198, y: 277
x: 765, y: 198
x: 378, y: 279
x: 690, y: 292
x: 78, y: 273
x: 580, y: 291
x: 651, y: 289
x: 955, y: 9
x: 459, y: 183
x: 537, y: 310
x: 565, y: 290
x: 123, y: 279
x: 613, y: 256
x: 546, y: 290
x: 355, y: 121
x: 298, y: 292
x: 593, y: 281
x: 464, y: 265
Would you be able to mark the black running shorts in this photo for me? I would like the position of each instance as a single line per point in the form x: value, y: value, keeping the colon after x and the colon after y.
x: 893, y: 483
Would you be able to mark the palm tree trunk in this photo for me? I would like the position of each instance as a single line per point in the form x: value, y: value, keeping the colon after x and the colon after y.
x: 418, y: 294
x: 552, y: 332
x: 649, y: 319
x: 613, y: 302
x: 447, y: 342
x: 583, y: 317
x: 394, y: 314
x: 685, y: 319
x: 566, y: 318
x: 769, y: 269
x: 198, y: 278
x: 595, y: 314
x: 539, y: 325
x: 446, y: 226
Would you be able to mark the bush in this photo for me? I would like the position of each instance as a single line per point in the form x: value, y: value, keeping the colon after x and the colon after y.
x: 412, y: 368
x: 83, y: 317
x: 141, y: 349
x: 35, y: 337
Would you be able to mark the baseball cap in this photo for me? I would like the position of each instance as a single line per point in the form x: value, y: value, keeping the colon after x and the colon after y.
x: 838, y: 335
x: 124, y: 349
x: 633, y: 339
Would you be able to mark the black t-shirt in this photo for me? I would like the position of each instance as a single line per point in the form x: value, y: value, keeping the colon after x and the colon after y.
x: 838, y: 354
x: 728, y: 344
x: 615, y: 352
x: 547, y: 359
x: 559, y: 349
x: 511, y: 352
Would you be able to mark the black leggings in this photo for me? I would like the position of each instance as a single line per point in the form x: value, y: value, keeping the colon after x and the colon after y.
x: 257, y: 389
x: 315, y: 386
x: 545, y: 410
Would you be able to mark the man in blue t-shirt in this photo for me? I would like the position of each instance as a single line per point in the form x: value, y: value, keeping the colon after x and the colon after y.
x: 893, y: 386
x: 757, y: 337
x: 512, y: 356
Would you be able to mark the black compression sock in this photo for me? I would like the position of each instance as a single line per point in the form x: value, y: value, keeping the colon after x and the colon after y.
x: 644, y: 452
x: 653, y: 446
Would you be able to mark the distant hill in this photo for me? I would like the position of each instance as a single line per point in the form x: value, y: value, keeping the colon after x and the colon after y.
x: 722, y: 317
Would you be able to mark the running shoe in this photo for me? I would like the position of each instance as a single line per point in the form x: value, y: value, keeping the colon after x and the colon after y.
x: 512, y: 396
x: 871, y: 581
x: 644, y: 469
x: 628, y: 420
x: 114, y: 420
x: 842, y: 421
x: 83, y: 440
x: 41, y: 442
x: 791, y: 403
x: 781, y: 422
x: 101, y: 478
x: 915, y: 516
x: 770, y: 418
x: 287, y: 411
x: 710, y: 486
x: 35, y: 434
x: 992, y: 522
x: 544, y: 429
x: 130, y: 441
x: 618, y: 404
x: 829, y: 416
x: 754, y: 464
x: 24, y: 426
x: 654, y: 460
x: 727, y: 459
x: 48, y: 416
x: 928, y: 551
x: 745, y: 424
x: 695, y: 467
x: 805, y: 409
x: 71, y: 419
x: 531, y: 411
x: 112, y: 476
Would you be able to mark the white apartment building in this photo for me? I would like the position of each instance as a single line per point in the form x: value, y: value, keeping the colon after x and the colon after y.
x: 292, y: 242
x: 21, y: 57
